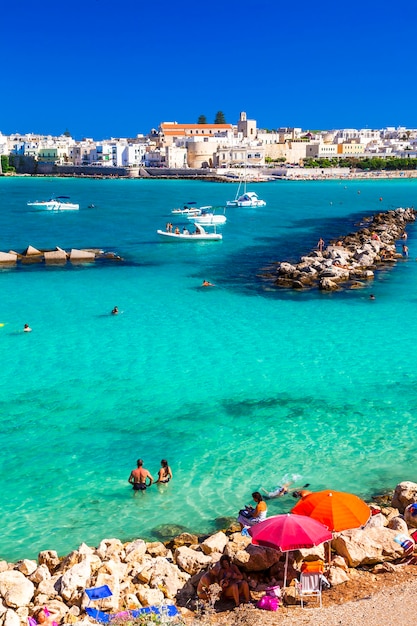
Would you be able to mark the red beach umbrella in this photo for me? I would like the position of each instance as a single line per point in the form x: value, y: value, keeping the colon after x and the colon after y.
x: 335, y: 509
x: 289, y: 532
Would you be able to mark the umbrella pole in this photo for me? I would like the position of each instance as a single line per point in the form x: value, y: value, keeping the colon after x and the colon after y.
x: 286, y: 569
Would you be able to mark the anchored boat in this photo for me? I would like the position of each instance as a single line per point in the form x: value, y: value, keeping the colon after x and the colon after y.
x: 60, y: 203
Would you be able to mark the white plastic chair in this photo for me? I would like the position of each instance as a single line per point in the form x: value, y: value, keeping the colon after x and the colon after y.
x: 309, y: 586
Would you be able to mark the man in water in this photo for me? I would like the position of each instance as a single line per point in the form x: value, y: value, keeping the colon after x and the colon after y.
x: 282, y: 490
x: 138, y: 477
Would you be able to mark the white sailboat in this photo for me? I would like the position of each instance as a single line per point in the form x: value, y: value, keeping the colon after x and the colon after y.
x: 246, y: 199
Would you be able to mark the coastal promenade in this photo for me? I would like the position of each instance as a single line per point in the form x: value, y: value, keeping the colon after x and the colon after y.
x: 227, y: 175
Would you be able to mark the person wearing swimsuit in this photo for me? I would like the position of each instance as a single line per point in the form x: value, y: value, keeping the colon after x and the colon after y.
x: 138, y: 477
x: 165, y: 473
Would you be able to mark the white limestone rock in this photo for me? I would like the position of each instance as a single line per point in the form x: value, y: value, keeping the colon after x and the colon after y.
x: 75, y: 580
x: 40, y: 574
x: 254, y: 558
x: 167, y: 577
x: 10, y: 618
x: 337, y: 576
x: 368, y: 546
x: 110, y: 549
x: 190, y: 560
x: 215, y: 543
x: 399, y: 524
x: 26, y: 567
x: 405, y: 493
x: 376, y: 521
x: 135, y: 551
x: 15, y: 589
x: 50, y: 559
x: 157, y: 548
x: 149, y: 597
x: 49, y: 586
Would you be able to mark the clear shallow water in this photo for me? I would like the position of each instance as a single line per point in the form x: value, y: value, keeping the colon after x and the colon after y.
x: 236, y: 385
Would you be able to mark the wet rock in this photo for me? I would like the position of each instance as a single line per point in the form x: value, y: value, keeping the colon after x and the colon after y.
x: 166, y: 532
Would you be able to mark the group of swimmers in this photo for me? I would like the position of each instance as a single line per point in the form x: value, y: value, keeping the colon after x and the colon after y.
x: 138, y: 477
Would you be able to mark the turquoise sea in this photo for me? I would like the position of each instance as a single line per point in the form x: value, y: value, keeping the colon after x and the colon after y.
x: 237, y: 385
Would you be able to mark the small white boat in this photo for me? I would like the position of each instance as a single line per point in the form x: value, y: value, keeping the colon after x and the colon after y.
x: 187, y: 210
x: 248, y: 199
x: 185, y: 235
x: 207, y: 217
x: 55, y: 204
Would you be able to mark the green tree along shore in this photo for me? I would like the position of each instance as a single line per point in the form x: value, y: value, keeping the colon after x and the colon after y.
x: 5, y: 165
x: 367, y: 163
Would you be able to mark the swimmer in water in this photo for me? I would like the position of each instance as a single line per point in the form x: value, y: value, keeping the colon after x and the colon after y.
x: 27, y: 328
x: 115, y: 311
x: 281, y: 490
x: 206, y: 283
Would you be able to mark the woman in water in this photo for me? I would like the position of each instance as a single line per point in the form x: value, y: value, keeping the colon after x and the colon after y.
x: 165, y: 473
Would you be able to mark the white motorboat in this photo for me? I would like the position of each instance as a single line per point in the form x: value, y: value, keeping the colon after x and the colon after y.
x: 207, y: 217
x: 200, y: 234
x: 187, y: 210
x: 247, y: 199
x: 60, y: 203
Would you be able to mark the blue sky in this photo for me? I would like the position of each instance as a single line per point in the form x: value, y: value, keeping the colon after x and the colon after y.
x: 101, y: 68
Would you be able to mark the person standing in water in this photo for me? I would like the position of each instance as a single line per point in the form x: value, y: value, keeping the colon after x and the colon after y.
x: 138, y: 477
x: 165, y: 473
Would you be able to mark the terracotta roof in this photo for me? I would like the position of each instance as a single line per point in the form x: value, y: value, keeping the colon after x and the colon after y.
x: 183, y: 129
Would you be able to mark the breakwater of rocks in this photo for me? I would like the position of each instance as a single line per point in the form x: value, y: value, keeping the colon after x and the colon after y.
x: 143, y: 573
x: 57, y: 256
x: 352, y: 260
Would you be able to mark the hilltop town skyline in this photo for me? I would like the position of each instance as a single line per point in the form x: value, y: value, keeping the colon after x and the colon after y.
x: 101, y: 70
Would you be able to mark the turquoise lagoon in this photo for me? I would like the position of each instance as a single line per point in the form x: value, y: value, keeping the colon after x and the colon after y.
x: 237, y: 385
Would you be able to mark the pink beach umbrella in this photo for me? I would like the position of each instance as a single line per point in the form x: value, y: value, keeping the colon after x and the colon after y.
x: 289, y: 532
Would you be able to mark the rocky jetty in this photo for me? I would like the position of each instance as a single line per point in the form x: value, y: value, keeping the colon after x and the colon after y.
x: 350, y: 261
x: 57, y: 256
x: 143, y: 573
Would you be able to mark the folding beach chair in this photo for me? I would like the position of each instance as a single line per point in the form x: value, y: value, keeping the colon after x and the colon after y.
x: 97, y: 594
x: 309, y: 586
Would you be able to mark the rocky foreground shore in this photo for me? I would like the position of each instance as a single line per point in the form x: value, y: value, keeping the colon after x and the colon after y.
x: 352, y: 260
x: 140, y: 573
